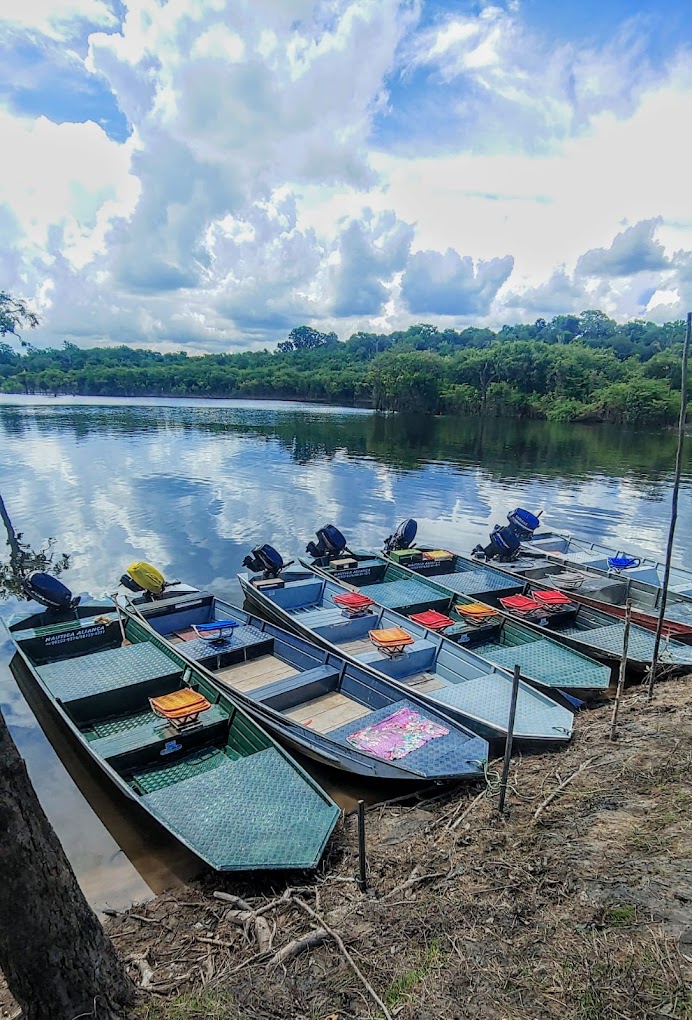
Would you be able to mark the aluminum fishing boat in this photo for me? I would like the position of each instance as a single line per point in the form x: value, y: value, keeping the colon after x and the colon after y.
x: 464, y: 686
x: 187, y: 754
x: 540, y: 607
x: 332, y: 710
x: 485, y: 630
x: 596, y: 577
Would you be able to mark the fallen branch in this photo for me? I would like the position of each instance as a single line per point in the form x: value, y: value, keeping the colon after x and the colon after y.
x: 412, y: 880
x: 141, y: 962
x: 235, y: 900
x: 112, y: 912
x: 339, y: 941
x: 452, y: 825
x: 164, y: 987
x: 316, y: 937
x: 565, y: 782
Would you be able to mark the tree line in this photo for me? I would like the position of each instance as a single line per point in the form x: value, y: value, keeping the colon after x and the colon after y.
x: 571, y: 368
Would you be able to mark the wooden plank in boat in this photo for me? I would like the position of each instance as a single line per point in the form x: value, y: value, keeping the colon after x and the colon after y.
x: 247, y: 676
x: 424, y: 682
x: 328, y: 712
x: 358, y: 647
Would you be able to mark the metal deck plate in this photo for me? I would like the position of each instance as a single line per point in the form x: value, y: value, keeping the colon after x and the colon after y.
x: 549, y: 663
x: 455, y: 754
x: 393, y: 594
x: 111, y: 670
x: 256, y: 812
x: 488, y: 698
x: 475, y: 582
x: 242, y: 637
x: 641, y: 643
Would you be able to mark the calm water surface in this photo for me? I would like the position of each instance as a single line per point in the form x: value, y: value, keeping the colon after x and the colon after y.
x: 193, y: 485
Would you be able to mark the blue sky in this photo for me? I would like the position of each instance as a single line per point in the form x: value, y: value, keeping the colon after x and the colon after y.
x: 209, y: 173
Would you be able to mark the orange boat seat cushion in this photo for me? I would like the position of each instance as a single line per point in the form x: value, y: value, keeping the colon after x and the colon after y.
x: 391, y: 637
x: 476, y: 611
x: 180, y: 704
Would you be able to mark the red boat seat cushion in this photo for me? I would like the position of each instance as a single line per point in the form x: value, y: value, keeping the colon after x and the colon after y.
x: 520, y: 604
x: 552, y: 598
x: 433, y: 620
x: 353, y: 600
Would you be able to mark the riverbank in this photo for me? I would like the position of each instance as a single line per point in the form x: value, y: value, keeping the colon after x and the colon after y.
x: 594, y: 371
x: 577, y: 903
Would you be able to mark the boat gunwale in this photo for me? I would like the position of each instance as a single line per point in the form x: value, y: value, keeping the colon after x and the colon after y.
x: 121, y: 784
x: 295, y: 728
x: 499, y: 733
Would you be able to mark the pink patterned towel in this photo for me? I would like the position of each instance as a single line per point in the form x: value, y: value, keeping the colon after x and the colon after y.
x: 397, y: 735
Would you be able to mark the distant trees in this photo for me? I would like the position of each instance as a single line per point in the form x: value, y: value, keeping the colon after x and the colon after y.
x: 561, y: 369
x: 305, y: 338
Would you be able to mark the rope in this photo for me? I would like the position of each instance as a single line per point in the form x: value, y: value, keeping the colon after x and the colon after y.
x: 492, y: 777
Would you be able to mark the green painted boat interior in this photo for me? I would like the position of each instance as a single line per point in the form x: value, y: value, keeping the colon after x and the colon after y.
x: 500, y: 641
x: 219, y: 782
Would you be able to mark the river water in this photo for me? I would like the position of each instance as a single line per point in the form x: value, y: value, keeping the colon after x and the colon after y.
x: 192, y: 485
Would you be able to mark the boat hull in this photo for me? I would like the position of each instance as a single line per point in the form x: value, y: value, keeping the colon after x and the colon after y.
x: 490, y: 731
x: 258, y: 846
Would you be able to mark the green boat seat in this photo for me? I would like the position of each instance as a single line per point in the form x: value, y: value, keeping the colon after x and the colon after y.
x: 111, y: 682
x: 127, y: 749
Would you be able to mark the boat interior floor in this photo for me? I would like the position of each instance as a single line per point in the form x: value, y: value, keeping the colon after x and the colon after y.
x: 260, y: 677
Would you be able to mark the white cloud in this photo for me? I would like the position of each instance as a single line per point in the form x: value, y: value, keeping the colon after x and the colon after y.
x: 259, y: 188
x: 437, y: 284
x: 56, y: 18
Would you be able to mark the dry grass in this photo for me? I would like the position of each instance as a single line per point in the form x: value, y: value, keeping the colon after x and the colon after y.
x: 577, y: 914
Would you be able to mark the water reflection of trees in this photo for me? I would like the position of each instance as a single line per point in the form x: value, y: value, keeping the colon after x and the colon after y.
x: 503, y: 448
x: 22, y: 559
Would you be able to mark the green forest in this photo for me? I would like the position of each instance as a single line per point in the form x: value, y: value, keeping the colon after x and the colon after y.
x: 572, y: 368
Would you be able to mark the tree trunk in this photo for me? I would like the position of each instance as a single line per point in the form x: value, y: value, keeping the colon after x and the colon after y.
x: 57, y: 959
x: 15, y: 551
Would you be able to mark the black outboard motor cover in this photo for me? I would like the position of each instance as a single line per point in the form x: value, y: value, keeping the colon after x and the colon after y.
x: 403, y: 536
x: 49, y: 591
x: 330, y: 544
x: 128, y: 582
x: 265, y: 558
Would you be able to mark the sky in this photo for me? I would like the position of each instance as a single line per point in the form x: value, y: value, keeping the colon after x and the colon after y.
x: 207, y: 174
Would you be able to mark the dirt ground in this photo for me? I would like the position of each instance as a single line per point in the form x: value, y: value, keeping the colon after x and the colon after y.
x: 576, y: 903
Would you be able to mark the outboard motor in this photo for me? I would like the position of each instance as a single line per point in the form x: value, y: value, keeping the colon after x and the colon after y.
x: 329, y: 546
x: 402, y: 538
x: 505, y: 542
x: 49, y: 591
x: 266, y: 559
x: 523, y: 523
x: 143, y: 577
